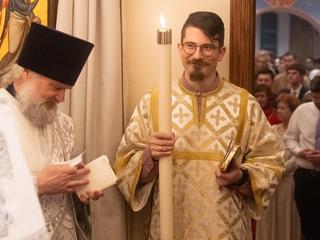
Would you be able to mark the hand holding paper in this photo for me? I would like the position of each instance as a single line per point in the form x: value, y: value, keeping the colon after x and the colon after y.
x: 61, y: 177
x: 101, y: 176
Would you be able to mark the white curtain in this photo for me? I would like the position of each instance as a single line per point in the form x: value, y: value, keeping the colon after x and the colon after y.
x: 95, y: 103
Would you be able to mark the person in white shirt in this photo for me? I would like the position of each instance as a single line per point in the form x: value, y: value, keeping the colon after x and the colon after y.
x: 300, y: 139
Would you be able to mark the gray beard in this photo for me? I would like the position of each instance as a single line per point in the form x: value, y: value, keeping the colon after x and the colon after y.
x: 41, y: 113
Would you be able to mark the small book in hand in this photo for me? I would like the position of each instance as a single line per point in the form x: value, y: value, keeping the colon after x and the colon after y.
x: 233, y: 151
x: 101, y: 176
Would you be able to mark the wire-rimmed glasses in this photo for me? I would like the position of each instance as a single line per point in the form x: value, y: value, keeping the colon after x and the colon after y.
x: 206, y: 49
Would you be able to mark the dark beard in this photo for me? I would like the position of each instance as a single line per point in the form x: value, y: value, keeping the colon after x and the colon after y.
x: 197, y: 75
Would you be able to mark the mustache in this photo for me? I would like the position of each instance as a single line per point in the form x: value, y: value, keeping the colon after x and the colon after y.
x: 197, y: 62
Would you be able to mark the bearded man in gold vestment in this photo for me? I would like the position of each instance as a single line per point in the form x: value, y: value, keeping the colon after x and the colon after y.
x: 208, y: 113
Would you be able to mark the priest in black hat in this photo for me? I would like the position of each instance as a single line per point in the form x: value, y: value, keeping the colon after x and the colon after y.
x: 49, y: 64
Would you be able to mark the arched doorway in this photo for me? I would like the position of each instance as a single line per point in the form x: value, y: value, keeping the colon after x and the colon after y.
x: 287, y: 29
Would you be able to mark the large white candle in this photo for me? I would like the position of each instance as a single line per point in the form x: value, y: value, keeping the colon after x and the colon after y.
x: 165, y: 163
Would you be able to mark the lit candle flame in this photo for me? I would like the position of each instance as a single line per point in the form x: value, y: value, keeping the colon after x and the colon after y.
x: 162, y: 22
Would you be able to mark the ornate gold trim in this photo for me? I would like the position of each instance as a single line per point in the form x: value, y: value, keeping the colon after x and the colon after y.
x: 189, y: 155
x: 244, y: 96
x: 119, y: 164
x: 217, y: 89
x: 134, y: 184
x: 196, y: 118
x: 203, y: 111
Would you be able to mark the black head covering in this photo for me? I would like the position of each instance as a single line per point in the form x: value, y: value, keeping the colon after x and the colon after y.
x: 54, y: 54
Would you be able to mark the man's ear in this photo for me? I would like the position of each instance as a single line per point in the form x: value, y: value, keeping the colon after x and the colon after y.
x: 179, y: 47
x: 25, y: 74
x: 23, y: 78
x: 222, y: 52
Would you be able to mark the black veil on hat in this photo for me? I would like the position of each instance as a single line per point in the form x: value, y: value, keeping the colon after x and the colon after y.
x: 54, y: 54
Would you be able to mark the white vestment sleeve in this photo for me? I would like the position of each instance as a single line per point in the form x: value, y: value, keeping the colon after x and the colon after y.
x: 20, y: 212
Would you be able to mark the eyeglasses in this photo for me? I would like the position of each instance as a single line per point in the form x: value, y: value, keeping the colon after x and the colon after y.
x: 206, y: 49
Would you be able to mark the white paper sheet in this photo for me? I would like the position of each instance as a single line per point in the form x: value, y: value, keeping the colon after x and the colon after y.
x: 100, y: 177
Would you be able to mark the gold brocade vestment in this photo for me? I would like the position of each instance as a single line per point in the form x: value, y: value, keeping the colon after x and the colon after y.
x: 201, y: 209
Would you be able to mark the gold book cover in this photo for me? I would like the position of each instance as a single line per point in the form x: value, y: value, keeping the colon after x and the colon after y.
x: 233, y: 151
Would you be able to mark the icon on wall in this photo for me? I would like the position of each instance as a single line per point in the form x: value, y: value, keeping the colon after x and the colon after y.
x: 16, y: 17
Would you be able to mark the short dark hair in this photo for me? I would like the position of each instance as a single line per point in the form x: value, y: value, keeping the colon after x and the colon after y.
x: 289, y: 54
x: 298, y: 67
x: 265, y: 71
x: 267, y: 90
x: 209, y: 23
x: 315, y: 84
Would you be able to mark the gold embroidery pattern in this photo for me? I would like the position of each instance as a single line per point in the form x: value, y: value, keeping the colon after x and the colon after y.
x: 201, y: 209
x: 211, y: 134
x: 242, y: 115
x: 198, y: 149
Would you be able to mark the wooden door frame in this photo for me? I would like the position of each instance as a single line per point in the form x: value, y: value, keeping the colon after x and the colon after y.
x: 52, y: 13
x: 242, y: 42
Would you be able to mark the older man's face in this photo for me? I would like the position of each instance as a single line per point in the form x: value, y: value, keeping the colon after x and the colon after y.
x: 265, y: 78
x: 39, y: 96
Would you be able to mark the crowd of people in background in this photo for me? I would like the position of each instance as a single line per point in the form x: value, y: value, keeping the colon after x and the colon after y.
x: 284, y: 75
x: 281, y: 85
